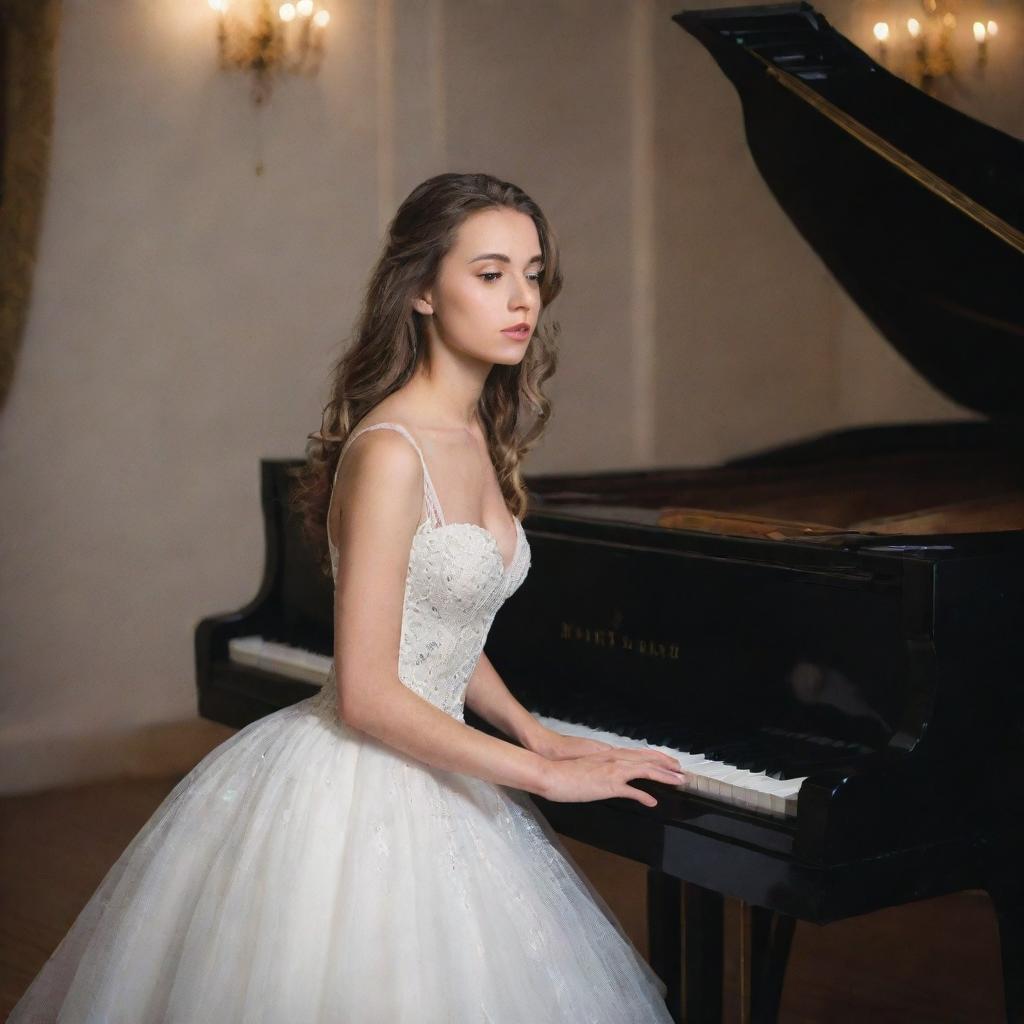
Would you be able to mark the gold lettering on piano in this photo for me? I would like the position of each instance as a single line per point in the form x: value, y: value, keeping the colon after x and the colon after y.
x: 615, y: 639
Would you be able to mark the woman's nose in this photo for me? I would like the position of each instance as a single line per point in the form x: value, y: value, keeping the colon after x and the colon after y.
x: 520, y: 295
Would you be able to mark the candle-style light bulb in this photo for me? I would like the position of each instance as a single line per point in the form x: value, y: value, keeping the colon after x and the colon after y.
x: 992, y: 28
x: 286, y: 12
x: 881, y: 31
x: 913, y: 27
x: 979, y: 32
x: 321, y: 18
x: 304, y: 8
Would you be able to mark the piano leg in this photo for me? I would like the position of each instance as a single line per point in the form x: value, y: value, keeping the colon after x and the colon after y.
x: 702, y: 955
x: 1003, y: 880
x: 1009, y: 907
x: 771, y: 936
x: 664, y: 935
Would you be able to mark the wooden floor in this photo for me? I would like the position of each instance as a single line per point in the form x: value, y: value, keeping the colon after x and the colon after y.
x: 935, y: 962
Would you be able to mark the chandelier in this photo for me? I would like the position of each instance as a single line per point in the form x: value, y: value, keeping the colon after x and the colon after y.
x: 254, y: 36
x: 926, y: 45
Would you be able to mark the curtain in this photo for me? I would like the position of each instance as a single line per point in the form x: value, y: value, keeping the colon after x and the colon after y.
x: 28, y: 37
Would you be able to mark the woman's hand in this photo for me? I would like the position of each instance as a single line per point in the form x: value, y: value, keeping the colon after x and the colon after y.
x: 607, y: 773
x: 557, y: 747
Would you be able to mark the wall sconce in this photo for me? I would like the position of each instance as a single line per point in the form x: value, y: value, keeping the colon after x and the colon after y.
x: 252, y: 36
x: 925, y: 49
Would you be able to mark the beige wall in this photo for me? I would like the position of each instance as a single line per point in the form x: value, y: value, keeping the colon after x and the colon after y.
x: 185, y: 310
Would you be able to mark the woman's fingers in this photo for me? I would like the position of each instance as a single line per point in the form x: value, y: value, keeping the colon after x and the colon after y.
x: 665, y: 775
x: 646, y: 754
x: 640, y: 795
x: 654, y: 772
x: 642, y: 752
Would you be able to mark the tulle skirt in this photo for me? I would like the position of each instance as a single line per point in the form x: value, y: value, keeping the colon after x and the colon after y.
x: 305, y: 873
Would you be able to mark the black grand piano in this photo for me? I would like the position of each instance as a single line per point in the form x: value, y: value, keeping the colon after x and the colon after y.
x: 829, y: 634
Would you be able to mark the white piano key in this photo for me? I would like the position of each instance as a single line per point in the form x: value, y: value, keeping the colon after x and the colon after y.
x: 293, y: 662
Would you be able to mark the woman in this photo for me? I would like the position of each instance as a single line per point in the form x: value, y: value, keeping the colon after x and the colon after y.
x: 364, y: 856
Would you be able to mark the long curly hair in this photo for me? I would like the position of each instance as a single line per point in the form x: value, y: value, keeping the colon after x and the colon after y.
x: 390, y: 341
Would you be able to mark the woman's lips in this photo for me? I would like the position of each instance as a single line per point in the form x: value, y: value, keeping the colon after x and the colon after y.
x: 520, y: 335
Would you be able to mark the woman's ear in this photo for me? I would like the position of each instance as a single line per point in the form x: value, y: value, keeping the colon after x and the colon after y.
x: 422, y: 304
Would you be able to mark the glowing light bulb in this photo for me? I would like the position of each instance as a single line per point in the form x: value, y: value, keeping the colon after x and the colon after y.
x: 286, y: 12
x: 881, y: 31
x: 220, y: 6
x: 949, y: 19
x: 321, y: 18
x: 304, y: 8
x: 913, y: 27
x: 992, y: 27
x: 979, y: 32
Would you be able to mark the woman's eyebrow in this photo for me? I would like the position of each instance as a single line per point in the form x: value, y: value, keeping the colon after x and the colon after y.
x: 503, y: 258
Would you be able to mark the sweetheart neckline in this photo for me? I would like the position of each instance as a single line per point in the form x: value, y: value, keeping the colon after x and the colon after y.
x: 427, y: 527
x: 505, y: 570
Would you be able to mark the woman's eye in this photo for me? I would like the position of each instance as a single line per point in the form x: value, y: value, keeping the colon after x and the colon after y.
x: 492, y: 275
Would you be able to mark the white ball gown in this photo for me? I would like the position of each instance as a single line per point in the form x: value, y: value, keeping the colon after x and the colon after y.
x: 305, y: 873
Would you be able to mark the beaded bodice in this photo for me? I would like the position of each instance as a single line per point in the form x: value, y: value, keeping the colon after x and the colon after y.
x: 455, y: 584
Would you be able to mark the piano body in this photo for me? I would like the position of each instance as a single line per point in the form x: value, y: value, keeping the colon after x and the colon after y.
x: 829, y: 633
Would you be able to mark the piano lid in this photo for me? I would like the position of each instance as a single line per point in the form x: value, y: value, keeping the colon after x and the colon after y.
x: 915, y: 208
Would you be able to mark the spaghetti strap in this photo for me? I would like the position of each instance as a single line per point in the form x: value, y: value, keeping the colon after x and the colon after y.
x: 430, y: 500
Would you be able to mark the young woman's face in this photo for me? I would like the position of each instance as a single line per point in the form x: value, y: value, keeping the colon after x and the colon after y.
x: 487, y: 283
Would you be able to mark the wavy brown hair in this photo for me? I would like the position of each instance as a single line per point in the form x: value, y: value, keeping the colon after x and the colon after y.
x: 390, y: 341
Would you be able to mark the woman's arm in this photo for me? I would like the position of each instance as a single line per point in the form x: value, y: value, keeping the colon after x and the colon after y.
x: 381, y: 494
x: 489, y: 697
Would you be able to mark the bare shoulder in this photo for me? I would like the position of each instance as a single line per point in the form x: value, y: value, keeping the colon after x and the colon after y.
x: 381, y: 470
x: 382, y: 454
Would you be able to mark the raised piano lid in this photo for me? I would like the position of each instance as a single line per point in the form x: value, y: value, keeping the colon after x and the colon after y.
x: 916, y: 208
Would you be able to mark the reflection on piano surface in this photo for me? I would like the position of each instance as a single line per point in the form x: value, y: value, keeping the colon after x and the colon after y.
x: 827, y: 634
